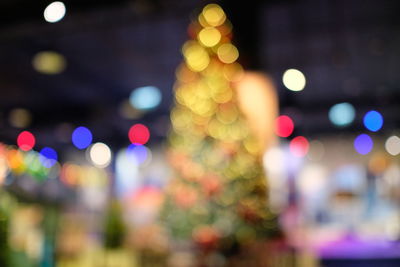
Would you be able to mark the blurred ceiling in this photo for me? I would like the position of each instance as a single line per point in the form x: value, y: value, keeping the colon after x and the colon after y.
x: 348, y: 51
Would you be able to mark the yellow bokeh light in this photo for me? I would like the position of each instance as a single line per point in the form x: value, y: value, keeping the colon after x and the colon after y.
x: 227, y: 114
x: 294, y: 80
x: 209, y: 36
x: 49, y: 62
x: 228, y: 53
x: 252, y: 145
x: 184, y: 75
x: 213, y: 14
x: 16, y: 160
x: 180, y: 119
x: 196, y: 56
x: 233, y: 72
x: 20, y: 118
x: 3, y: 169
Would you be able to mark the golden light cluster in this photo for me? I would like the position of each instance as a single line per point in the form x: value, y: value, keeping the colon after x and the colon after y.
x: 216, y: 157
x: 206, y: 103
x: 213, y: 40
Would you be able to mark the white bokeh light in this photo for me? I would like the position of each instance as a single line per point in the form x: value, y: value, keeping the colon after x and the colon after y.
x: 100, y: 155
x: 392, y: 145
x: 294, y: 80
x: 54, y: 12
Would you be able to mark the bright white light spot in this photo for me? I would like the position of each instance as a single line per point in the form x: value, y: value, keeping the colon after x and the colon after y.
x: 294, y: 80
x: 312, y: 180
x: 54, y: 12
x: 392, y: 145
x: 126, y: 172
x: 145, y: 98
x: 100, y: 155
x: 274, y: 160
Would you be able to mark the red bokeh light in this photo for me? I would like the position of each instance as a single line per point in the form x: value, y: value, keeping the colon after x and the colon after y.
x: 299, y: 146
x: 284, y: 126
x: 139, y: 134
x: 26, y: 141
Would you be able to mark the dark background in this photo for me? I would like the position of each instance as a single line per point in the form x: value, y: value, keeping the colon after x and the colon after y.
x: 348, y: 51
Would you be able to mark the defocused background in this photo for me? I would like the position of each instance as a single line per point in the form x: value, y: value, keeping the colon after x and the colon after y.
x: 86, y: 90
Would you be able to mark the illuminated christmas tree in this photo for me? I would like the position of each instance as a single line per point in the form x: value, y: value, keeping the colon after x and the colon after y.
x: 218, y: 196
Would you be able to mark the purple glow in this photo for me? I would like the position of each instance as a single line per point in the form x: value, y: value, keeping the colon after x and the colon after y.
x: 354, y: 248
x: 48, y: 157
x: 363, y: 144
x: 138, y: 151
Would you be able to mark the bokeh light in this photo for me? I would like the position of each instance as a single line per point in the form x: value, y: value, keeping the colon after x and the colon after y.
x: 209, y: 36
x: 294, y: 80
x: 26, y: 141
x: 140, y: 152
x: 54, y: 12
x: 48, y: 157
x: 4, y: 169
x: 20, y: 118
x: 100, y: 155
x: 373, y: 121
x: 342, y: 114
x: 299, y: 146
x: 312, y: 180
x: 363, y: 144
x: 145, y: 98
x: 126, y: 171
x: 392, y: 145
x: 82, y: 137
x: 213, y: 15
x: 228, y: 53
x: 284, y: 126
x: 139, y: 134
x: 196, y: 57
x: 49, y: 62
x: 378, y: 163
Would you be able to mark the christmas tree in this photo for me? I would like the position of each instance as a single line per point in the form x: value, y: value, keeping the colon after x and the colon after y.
x: 218, y: 196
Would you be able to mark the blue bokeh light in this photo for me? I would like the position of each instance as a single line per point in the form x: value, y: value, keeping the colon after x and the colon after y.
x: 138, y: 151
x: 48, y: 157
x: 82, y: 137
x: 342, y: 114
x: 145, y: 98
x: 373, y: 121
x: 363, y: 144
